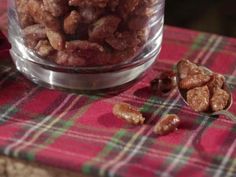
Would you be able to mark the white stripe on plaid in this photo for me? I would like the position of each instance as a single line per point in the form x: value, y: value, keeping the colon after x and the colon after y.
x: 37, y: 126
x: 129, y: 157
x: 201, y: 126
x: 18, y: 102
x: 45, y: 128
x: 228, y: 154
x: 122, y: 153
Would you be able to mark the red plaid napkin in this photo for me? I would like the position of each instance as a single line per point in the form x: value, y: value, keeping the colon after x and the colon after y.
x: 79, y: 132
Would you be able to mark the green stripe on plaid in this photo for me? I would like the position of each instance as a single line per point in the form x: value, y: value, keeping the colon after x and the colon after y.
x: 86, y: 168
x: 62, y: 127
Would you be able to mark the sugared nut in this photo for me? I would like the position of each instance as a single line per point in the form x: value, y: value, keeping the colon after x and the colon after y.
x: 68, y: 59
x: 167, y: 124
x: 129, y: 113
x: 127, y: 6
x: 217, y: 81
x: 89, y: 14
x: 186, y: 68
x: 192, y: 81
x: 56, y: 7
x: 103, y: 28
x: 83, y: 45
x: 71, y: 22
x: 219, y: 99
x: 199, y: 98
x: 25, y: 18
x: 43, y: 48
x: 40, y: 15
x: 56, y: 39
x: 122, y: 41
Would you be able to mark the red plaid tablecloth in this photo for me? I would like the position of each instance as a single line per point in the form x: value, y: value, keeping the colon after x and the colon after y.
x: 78, y: 132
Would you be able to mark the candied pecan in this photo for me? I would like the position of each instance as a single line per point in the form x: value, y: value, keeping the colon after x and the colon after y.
x: 83, y: 45
x: 32, y: 34
x: 122, y: 41
x: 56, y: 39
x: 71, y: 22
x: 129, y: 113
x: 104, y: 27
x: 143, y: 10
x: 40, y: 15
x: 143, y: 35
x: 198, y: 98
x: 68, y: 59
x: 192, y: 81
x: 217, y: 81
x: 167, y: 124
x: 97, y: 3
x: 43, y: 48
x: 24, y: 17
x: 137, y: 22
x: 127, y: 6
x: 36, y: 31
x: 185, y: 68
x: 90, y: 14
x: 56, y: 7
x: 219, y: 99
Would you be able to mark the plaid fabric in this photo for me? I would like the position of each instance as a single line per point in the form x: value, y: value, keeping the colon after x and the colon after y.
x: 78, y: 132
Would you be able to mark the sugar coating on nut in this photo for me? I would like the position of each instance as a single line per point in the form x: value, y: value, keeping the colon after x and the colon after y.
x: 219, y: 100
x: 192, y: 81
x: 217, y: 81
x: 128, y: 113
x: 167, y: 124
x: 198, y: 98
x: 187, y: 68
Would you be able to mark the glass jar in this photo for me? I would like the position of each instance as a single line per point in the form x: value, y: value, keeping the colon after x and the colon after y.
x: 85, y: 44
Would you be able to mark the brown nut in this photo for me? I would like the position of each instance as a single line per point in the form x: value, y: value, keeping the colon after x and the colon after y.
x: 167, y: 124
x: 219, y: 99
x: 122, y: 41
x: 56, y: 39
x: 186, y: 68
x: 33, y: 34
x: 127, y: 6
x: 193, y: 81
x: 83, y: 45
x: 129, y: 113
x: 43, y: 48
x: 89, y: 14
x: 83, y: 3
x: 199, y: 98
x: 40, y: 15
x: 104, y: 28
x: 68, y: 59
x: 25, y: 18
x: 71, y: 22
x: 56, y: 7
x: 217, y: 81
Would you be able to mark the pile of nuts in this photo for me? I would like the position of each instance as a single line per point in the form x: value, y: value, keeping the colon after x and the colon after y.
x: 205, y: 90
x: 85, y: 32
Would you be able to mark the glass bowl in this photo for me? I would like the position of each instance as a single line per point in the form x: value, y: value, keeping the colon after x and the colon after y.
x: 89, y: 78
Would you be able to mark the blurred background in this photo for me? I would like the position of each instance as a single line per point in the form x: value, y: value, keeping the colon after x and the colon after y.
x: 215, y: 16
